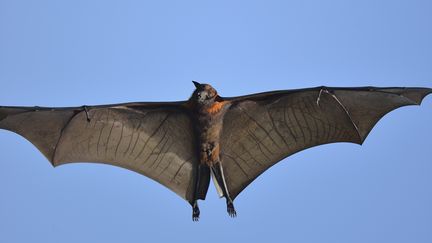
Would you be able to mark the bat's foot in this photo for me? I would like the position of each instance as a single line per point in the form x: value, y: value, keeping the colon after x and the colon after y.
x: 195, y: 212
x: 231, y: 210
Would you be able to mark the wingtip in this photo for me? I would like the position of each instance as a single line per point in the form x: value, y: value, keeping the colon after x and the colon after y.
x: 6, y: 111
x: 424, y: 92
x: 416, y: 95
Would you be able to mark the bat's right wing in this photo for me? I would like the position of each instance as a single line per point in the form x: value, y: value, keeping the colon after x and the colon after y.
x: 260, y: 130
x: 153, y: 139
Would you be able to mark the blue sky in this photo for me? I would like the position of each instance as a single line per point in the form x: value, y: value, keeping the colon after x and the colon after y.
x: 69, y: 53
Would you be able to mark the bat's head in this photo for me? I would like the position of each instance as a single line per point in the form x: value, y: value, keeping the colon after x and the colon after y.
x: 204, y: 93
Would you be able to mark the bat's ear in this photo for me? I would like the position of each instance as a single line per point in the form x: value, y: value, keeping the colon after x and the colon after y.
x: 197, y: 85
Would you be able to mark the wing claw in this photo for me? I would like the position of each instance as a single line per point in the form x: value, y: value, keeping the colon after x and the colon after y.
x: 86, y: 112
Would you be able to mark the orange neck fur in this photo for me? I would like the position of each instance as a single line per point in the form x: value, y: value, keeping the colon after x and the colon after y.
x: 216, y: 107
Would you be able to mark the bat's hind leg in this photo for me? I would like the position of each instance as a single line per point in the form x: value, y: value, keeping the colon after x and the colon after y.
x: 220, y: 179
x: 202, y: 180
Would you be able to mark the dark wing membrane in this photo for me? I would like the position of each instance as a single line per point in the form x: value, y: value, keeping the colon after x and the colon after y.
x: 153, y: 139
x: 260, y: 130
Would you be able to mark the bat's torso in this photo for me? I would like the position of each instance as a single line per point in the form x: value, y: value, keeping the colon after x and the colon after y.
x: 210, y: 121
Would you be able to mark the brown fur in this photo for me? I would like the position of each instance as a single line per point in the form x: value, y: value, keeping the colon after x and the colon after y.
x: 209, y: 121
x: 215, y: 155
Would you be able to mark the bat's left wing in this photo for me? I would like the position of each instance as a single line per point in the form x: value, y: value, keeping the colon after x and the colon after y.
x: 153, y: 139
x: 260, y: 130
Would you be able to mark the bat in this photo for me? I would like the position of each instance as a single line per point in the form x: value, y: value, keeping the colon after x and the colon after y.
x: 183, y: 144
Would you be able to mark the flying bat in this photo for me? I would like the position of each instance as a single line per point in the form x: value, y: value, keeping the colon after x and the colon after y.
x: 231, y: 139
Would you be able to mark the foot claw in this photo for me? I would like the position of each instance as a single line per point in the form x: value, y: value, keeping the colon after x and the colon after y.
x: 195, y: 213
x: 231, y: 210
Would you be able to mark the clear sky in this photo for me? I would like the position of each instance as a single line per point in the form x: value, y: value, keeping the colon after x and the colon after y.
x: 69, y: 53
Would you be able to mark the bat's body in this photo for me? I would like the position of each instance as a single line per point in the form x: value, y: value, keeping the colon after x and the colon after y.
x: 182, y: 144
x: 209, y: 110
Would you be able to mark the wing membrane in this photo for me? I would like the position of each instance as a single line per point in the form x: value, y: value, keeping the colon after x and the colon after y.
x: 260, y: 130
x: 154, y: 140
